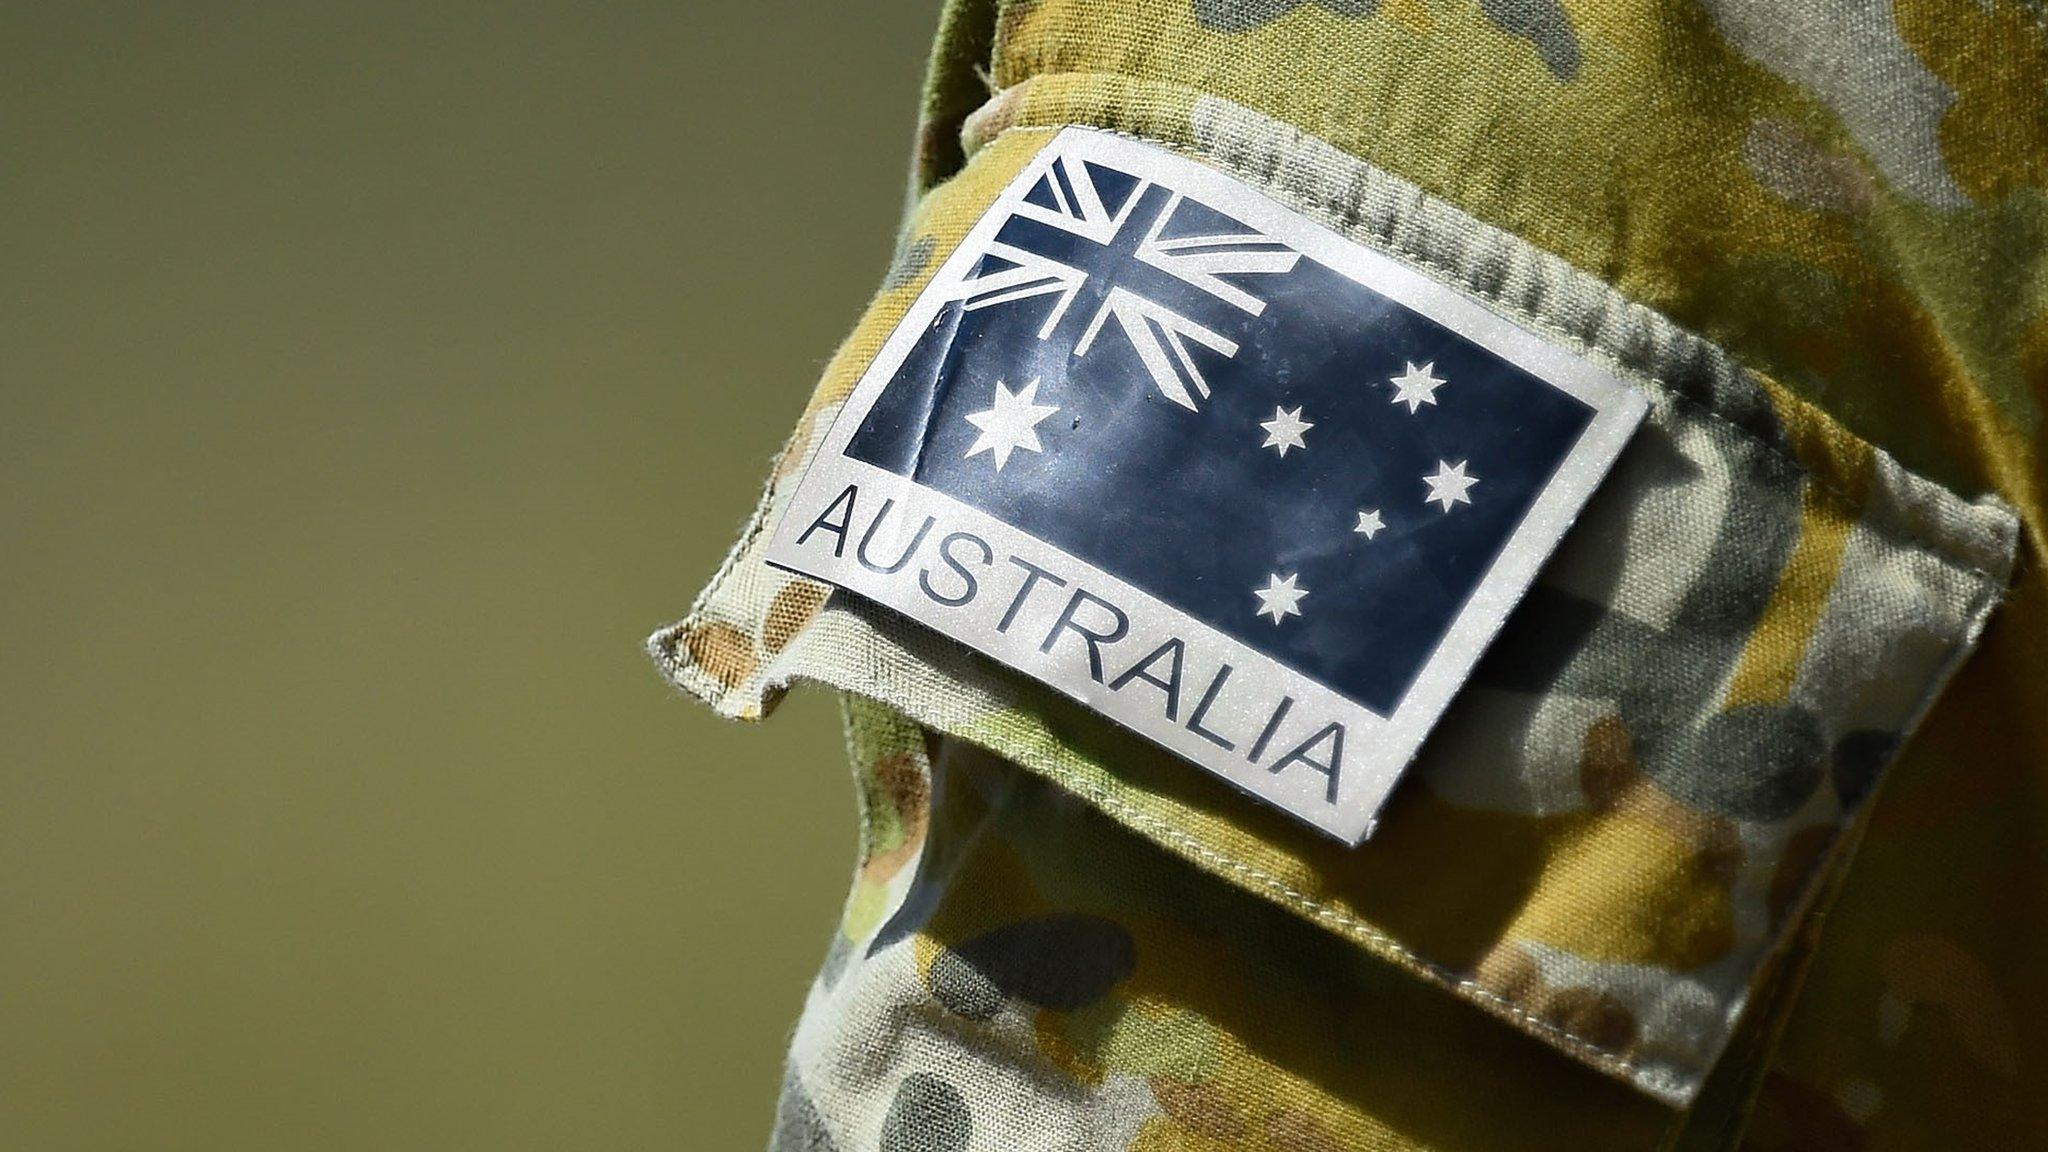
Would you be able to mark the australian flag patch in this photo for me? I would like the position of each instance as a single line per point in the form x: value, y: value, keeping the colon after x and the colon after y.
x: 1235, y: 481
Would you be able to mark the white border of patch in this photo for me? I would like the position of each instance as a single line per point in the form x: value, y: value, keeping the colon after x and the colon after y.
x: 1377, y: 748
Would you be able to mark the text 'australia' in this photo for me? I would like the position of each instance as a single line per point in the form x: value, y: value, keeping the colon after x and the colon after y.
x: 1039, y: 599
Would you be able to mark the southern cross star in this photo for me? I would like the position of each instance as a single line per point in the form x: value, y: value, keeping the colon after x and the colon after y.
x: 1416, y: 386
x: 1280, y: 598
x: 1011, y: 424
x: 1284, y: 431
x: 1449, y: 485
x: 1369, y: 524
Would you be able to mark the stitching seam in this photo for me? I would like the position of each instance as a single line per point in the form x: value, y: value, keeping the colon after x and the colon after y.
x: 1982, y: 602
x: 1606, y: 1058
x: 1302, y: 902
x: 1323, y: 911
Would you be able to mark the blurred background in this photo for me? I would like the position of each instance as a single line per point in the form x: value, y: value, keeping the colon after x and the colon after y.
x: 375, y: 377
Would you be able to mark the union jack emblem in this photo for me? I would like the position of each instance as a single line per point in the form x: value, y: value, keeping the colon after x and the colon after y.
x: 1072, y: 227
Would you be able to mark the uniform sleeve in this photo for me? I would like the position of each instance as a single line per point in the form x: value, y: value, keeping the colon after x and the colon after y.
x: 1590, y: 911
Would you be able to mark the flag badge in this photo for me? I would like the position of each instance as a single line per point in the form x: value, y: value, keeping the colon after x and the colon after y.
x: 1243, y: 485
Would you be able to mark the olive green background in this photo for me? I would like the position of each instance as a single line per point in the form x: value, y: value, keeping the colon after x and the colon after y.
x: 375, y: 377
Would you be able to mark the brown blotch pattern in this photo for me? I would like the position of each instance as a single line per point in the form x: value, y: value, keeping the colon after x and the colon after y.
x: 725, y: 653
x: 793, y: 607
x: 1197, y: 1108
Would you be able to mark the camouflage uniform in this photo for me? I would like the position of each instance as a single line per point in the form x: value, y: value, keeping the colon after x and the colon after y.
x: 1614, y: 903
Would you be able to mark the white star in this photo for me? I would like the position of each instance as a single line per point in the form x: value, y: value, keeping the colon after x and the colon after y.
x: 1449, y: 485
x: 1011, y: 424
x: 1279, y: 598
x: 1284, y: 431
x: 1416, y: 386
x: 1369, y: 524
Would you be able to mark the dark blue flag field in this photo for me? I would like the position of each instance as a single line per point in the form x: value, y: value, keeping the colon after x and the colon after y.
x: 1243, y: 485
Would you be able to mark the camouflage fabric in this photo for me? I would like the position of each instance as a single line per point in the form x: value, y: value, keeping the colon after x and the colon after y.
x: 1613, y: 905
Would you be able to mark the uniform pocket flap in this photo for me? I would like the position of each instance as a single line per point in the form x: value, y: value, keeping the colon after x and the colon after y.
x: 1643, y: 781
